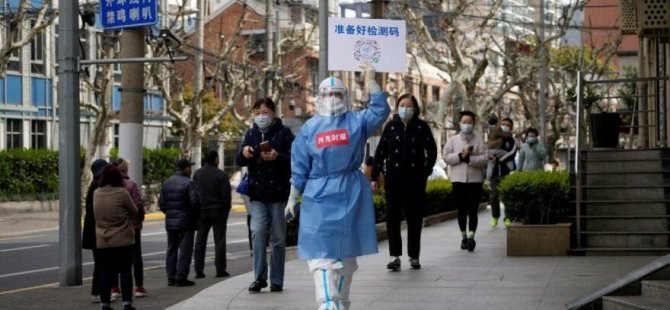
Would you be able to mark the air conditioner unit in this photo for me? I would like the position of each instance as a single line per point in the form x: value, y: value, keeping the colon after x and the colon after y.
x: 653, y: 17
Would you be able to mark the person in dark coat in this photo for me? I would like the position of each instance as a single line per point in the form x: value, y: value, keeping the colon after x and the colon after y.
x: 406, y: 155
x: 180, y: 202
x: 502, y: 167
x: 215, y: 202
x: 266, y: 151
x: 88, y: 236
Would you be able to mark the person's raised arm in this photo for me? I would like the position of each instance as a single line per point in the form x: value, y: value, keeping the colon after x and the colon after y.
x: 378, y: 110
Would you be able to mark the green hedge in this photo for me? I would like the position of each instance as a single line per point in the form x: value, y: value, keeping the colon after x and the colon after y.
x: 33, y: 174
x: 536, y: 197
x: 438, y: 194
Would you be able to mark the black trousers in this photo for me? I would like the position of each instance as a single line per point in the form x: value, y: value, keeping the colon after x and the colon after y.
x: 115, y: 261
x: 138, y: 263
x: 405, y: 197
x: 179, y: 254
x: 467, y: 197
x: 494, y: 198
x: 218, y: 220
x: 95, y: 281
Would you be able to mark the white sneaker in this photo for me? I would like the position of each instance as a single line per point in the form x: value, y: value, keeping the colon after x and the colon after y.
x: 95, y: 299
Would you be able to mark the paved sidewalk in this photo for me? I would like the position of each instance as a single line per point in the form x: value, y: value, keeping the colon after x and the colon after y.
x: 450, y: 278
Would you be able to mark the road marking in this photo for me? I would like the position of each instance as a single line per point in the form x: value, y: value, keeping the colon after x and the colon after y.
x: 25, y: 248
x: 230, y: 256
x: 91, y: 263
x: 27, y: 232
x: 20, y: 237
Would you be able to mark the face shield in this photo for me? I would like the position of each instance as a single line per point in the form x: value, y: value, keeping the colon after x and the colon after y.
x: 333, y: 98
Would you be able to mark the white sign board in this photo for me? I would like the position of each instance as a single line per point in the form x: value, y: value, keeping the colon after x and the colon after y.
x: 354, y: 40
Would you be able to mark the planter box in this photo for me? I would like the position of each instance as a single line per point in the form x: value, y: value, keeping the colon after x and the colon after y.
x: 538, y: 240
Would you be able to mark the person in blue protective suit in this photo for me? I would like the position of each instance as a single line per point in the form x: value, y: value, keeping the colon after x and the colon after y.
x: 337, y: 221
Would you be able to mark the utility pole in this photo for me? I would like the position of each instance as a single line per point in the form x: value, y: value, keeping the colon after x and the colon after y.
x: 196, y: 121
x: 323, y: 40
x: 543, y: 75
x: 378, y: 12
x: 131, y: 117
x: 269, y: 50
x: 69, y: 171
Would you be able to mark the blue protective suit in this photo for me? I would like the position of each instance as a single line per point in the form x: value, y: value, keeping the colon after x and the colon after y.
x: 337, y: 217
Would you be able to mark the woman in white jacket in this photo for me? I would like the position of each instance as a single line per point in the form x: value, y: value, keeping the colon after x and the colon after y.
x: 467, y: 155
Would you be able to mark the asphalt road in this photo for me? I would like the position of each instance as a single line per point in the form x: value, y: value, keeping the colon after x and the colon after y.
x: 29, y: 267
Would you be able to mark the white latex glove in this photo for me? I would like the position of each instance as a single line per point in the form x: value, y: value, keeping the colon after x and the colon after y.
x: 370, y: 82
x: 289, y: 211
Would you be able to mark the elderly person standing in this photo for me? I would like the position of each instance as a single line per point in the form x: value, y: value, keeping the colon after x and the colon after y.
x: 467, y: 155
x: 180, y: 202
x: 114, y: 213
x: 215, y: 203
x: 88, y: 235
x: 138, y: 264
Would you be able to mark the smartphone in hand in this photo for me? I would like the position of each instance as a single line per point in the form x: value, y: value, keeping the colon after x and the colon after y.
x: 265, y: 146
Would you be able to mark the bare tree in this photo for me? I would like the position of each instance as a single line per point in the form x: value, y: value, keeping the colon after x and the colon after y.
x: 465, y: 45
x: 21, y: 26
x: 236, y: 67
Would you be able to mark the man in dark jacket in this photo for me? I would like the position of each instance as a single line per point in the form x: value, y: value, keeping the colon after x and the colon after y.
x: 503, y: 166
x: 214, y: 190
x: 180, y: 202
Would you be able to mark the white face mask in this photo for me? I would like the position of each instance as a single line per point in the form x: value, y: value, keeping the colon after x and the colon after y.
x: 505, y: 129
x: 466, y: 128
x: 263, y: 121
x: 405, y: 113
x: 332, y: 106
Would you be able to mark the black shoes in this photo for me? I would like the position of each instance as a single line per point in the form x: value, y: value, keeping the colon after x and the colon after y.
x: 184, y: 282
x: 394, y: 265
x: 128, y: 307
x: 464, y: 244
x: 256, y: 286
x: 170, y: 282
x: 471, y: 244
x: 222, y: 275
x: 199, y: 275
x: 276, y: 288
x: 414, y: 263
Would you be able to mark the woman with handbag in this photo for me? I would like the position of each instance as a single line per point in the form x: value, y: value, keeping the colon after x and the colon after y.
x: 266, y: 152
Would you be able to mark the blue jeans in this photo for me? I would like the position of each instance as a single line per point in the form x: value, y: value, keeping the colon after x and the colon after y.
x: 268, y: 217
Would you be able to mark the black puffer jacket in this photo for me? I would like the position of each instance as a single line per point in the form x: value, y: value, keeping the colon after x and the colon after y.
x: 405, y: 152
x: 269, y: 179
x: 180, y: 202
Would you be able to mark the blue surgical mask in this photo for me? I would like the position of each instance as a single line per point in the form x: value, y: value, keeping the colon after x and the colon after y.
x: 263, y: 121
x: 467, y: 128
x: 531, y: 140
x: 505, y: 129
x: 405, y: 113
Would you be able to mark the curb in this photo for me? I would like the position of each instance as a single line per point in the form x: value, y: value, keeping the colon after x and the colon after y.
x: 237, y: 208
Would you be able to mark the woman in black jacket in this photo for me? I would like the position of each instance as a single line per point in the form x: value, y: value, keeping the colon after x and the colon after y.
x: 88, y: 234
x: 406, y: 154
x: 266, y: 151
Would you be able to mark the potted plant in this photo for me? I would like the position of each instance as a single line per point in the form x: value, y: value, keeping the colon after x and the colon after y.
x: 537, y: 202
x: 604, y: 124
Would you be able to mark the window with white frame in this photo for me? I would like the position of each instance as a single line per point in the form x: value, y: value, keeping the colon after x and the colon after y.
x: 38, y: 134
x: 37, y: 46
x: 15, y: 57
x: 13, y: 131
